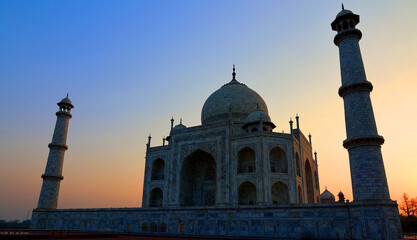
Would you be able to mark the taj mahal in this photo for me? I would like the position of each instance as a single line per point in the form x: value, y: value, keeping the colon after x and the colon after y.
x: 234, y: 176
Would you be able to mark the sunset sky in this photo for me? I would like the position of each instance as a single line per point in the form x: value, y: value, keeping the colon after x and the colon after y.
x: 129, y: 66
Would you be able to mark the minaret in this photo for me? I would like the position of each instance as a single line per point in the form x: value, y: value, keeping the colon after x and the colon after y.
x: 52, y: 177
x: 363, y: 142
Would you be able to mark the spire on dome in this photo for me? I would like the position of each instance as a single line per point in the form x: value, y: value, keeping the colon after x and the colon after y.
x: 343, y: 7
x: 234, y: 73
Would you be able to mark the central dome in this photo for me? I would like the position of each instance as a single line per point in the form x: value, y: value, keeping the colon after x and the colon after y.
x: 235, y: 96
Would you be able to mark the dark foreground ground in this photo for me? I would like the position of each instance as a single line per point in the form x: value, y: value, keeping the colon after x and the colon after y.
x: 16, y: 233
x: 27, y: 234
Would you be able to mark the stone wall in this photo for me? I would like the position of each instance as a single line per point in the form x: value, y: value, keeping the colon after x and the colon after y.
x: 376, y: 220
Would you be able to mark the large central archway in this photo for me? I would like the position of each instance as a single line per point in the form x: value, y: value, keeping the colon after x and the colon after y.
x: 198, y: 180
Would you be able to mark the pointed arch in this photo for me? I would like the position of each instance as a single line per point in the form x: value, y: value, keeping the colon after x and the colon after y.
x: 158, y: 169
x: 299, y: 194
x: 163, y: 227
x: 280, y: 194
x: 144, y: 227
x: 156, y: 198
x: 247, y: 194
x: 345, y: 25
x: 246, y: 160
x: 309, y: 182
x: 297, y: 164
x: 154, y: 227
x: 198, y: 180
x: 316, y: 178
x: 278, y: 161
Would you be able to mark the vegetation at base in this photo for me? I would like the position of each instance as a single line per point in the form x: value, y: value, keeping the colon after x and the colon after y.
x: 408, y: 216
x: 14, y: 223
x: 409, y: 224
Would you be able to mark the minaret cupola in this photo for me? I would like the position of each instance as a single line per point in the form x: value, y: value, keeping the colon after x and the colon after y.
x: 65, y: 105
x: 345, y: 24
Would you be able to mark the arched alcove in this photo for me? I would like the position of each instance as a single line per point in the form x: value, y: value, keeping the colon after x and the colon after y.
x: 198, y: 180
x: 154, y: 227
x: 299, y: 195
x: 158, y: 169
x: 155, y: 200
x: 246, y: 162
x: 309, y: 182
x: 247, y: 194
x: 163, y: 227
x: 144, y: 227
x: 316, y: 176
x: 345, y: 25
x: 280, y: 194
x: 278, y: 160
x: 297, y: 165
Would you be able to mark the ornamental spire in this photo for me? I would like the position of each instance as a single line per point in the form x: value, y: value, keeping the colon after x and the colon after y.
x: 343, y: 7
x: 234, y: 73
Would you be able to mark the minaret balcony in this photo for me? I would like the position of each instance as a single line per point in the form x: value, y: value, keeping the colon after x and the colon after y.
x: 347, y: 33
x: 360, y: 86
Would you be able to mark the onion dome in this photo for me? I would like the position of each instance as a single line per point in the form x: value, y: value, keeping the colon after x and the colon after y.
x: 233, y: 97
x: 327, y: 197
x: 65, y: 102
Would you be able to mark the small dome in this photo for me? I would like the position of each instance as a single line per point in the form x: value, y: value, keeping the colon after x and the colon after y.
x: 344, y: 12
x: 326, y: 195
x: 179, y: 127
x: 66, y: 101
x: 340, y: 193
x: 258, y: 115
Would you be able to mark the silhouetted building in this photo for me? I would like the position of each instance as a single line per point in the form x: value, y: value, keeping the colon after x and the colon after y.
x: 233, y: 176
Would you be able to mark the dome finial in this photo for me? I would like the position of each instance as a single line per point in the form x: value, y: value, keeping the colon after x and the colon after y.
x: 234, y: 73
x: 67, y: 94
x: 343, y: 7
x: 180, y: 120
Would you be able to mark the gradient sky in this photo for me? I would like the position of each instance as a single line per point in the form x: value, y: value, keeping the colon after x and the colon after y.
x: 130, y: 65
